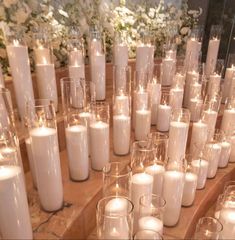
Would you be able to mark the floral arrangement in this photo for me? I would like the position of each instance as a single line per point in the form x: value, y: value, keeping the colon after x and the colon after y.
x: 164, y: 21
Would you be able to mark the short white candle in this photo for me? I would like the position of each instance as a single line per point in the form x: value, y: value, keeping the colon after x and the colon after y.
x: 228, y: 121
x: 195, y: 108
x: 14, y: 212
x: 99, y: 135
x: 214, y: 151
x: 168, y: 71
x: 232, y: 153
x: 47, y: 164
x: 210, y: 117
x: 76, y: 58
x: 20, y: 70
x: 214, y: 84
x: 46, y: 82
x: 227, y: 218
x: 122, y: 103
x: 178, y: 135
x: 151, y: 223
x: 227, y: 82
x: 142, y: 124
x: 157, y: 171
x: 120, y: 55
x: 190, y: 186
x: 163, y: 117
x: 225, y: 154
x: 77, y: 149
x: 98, y: 75
x: 199, y: 136
x: 121, y: 134
x: 176, y: 97
x: 201, y: 166
x: 173, y: 187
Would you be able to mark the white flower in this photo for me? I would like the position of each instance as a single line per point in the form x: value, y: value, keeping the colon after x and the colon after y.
x: 184, y: 30
x: 8, y: 3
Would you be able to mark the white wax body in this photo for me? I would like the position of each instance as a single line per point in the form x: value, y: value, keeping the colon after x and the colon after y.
x: 214, y: 84
x: 173, y: 187
x: 176, y: 97
x: 98, y: 75
x: 14, y: 212
x: 201, y: 166
x: 142, y: 124
x: 157, y: 171
x: 77, y: 72
x: 228, y: 121
x: 168, y: 71
x: 210, y: 117
x: 232, y: 153
x: 48, y: 171
x: 227, y: 83
x: 163, y: 118
x: 211, y: 57
x: 142, y: 57
x: 155, y: 96
x: 77, y: 149
x: 198, y: 137
x: 150, y: 223
x: 121, y: 134
x: 227, y: 218
x: 42, y: 55
x: 213, y: 158
x: 190, y: 186
x: 95, y: 47
x: 225, y: 154
x: 31, y: 161
x: 20, y: 70
x: 46, y: 82
x: 194, y: 90
x: 99, y: 136
x: 122, y: 105
x: 193, y: 49
x: 195, y: 108
x: 76, y: 58
x: 120, y: 55
x: 178, y: 135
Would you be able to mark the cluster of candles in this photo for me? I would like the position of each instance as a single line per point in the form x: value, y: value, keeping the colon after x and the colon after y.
x: 155, y: 188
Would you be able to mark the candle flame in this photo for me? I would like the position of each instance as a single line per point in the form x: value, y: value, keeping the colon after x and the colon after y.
x: 16, y: 42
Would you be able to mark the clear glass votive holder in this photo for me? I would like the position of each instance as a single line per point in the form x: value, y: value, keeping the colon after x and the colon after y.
x: 114, y: 218
x: 147, y: 234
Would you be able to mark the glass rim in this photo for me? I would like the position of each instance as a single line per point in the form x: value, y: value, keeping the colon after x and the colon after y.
x: 159, y: 237
x: 163, y: 136
x: 118, y: 175
x: 40, y: 102
x: 214, y: 221
x: 146, y: 148
x: 153, y: 196
x: 65, y: 80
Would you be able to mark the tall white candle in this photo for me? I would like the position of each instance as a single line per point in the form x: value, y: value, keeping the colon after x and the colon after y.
x: 195, y: 108
x: 76, y: 58
x: 95, y: 47
x: 201, y: 166
x: 193, y: 48
x: 228, y: 121
x: 122, y: 104
x: 42, y: 55
x: 212, y: 54
x: 227, y: 218
x: 213, y: 151
x: 20, y: 70
x: 225, y: 154
x: 150, y: 223
x: 214, y: 84
x: 210, y: 117
x: 121, y: 134
x: 227, y: 82
x: 168, y: 71
x: 176, y: 97
x: 142, y: 124
x: 120, y: 55
x: 190, y: 186
x: 99, y: 135
x: 46, y: 82
x: 178, y: 135
x: 173, y: 187
x: 77, y: 149
x: 14, y: 213
x: 98, y: 75
x: 142, y: 57
x: 157, y: 171
x: 47, y: 164
x: 163, y: 118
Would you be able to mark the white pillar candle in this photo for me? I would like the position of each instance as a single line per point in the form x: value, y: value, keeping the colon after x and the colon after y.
x: 142, y: 57
x: 14, y: 212
x: 212, y: 54
x: 151, y: 55
x: 47, y: 163
x: 98, y: 75
x: 213, y: 151
x: 195, y: 89
x: 157, y: 171
x: 76, y: 58
x: 77, y: 72
x: 31, y: 161
x: 46, y: 82
x: 198, y: 137
x: 122, y: 104
x: 168, y: 71
x: 190, y: 186
x: 155, y: 96
x: 225, y: 154
x: 95, y: 47
x: 20, y: 70
x: 42, y: 55
x: 195, y: 108
x: 232, y: 153
x: 193, y: 48
x: 176, y: 97
x: 150, y: 223
x: 227, y: 82
x: 142, y: 124
x: 228, y: 121
x: 121, y: 134
x: 227, y: 218
x: 214, y: 84
x: 178, y: 134
x: 163, y: 118
x: 173, y: 187
x: 120, y: 55
x: 99, y: 135
x: 77, y: 149
x: 201, y: 166
x: 210, y: 117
